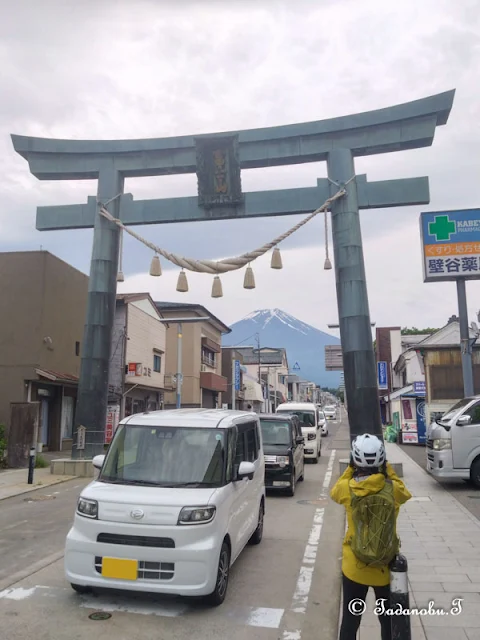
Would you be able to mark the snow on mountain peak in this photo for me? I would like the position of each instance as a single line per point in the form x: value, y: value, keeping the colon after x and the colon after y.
x: 264, y: 316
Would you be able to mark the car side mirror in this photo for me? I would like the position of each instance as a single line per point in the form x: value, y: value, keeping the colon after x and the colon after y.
x: 246, y: 470
x: 464, y: 420
x: 98, y: 461
x: 300, y: 440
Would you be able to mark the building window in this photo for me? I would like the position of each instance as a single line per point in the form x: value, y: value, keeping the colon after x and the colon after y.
x: 157, y: 363
x: 77, y: 348
x: 208, y: 358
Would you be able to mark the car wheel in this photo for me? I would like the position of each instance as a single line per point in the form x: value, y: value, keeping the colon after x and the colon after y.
x: 258, y: 533
x: 217, y: 597
x: 291, y: 489
x: 80, y: 588
x: 475, y: 473
x: 315, y: 460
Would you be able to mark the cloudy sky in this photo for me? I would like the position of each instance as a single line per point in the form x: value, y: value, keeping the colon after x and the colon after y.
x: 151, y: 68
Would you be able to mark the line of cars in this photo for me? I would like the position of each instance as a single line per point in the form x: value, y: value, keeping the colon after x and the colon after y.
x: 290, y: 436
x: 179, y: 494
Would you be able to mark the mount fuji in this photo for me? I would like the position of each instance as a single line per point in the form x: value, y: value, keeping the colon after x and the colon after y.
x: 304, y: 344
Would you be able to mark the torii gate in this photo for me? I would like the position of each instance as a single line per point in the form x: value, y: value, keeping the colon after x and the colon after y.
x: 337, y: 141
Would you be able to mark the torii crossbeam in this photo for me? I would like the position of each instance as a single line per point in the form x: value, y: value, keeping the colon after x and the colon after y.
x: 218, y: 159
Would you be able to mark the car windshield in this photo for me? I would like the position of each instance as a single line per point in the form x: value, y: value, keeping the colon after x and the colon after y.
x: 329, y: 408
x: 456, y: 407
x: 307, y: 417
x: 321, y: 415
x: 275, y: 432
x: 165, y: 457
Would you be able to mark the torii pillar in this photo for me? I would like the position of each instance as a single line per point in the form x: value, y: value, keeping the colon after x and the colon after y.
x: 337, y: 141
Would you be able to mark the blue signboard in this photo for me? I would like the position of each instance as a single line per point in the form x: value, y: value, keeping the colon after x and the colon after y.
x: 382, y: 375
x: 451, y: 245
x: 421, y: 422
x: 420, y: 388
x: 237, y: 375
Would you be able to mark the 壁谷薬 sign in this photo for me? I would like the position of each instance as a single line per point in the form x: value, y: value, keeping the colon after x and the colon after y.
x: 450, y: 245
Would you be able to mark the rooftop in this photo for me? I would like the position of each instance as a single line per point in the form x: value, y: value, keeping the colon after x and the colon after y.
x: 207, y: 418
x: 184, y: 306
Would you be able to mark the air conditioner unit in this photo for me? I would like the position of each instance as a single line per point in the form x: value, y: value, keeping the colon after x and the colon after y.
x: 203, y: 368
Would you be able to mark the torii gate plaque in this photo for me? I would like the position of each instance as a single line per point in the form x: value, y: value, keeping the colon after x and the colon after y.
x: 217, y: 159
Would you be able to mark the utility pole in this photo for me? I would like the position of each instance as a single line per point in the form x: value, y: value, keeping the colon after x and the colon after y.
x: 179, y: 374
x: 465, y: 342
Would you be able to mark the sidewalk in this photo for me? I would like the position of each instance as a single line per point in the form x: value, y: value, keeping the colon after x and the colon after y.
x: 441, y: 541
x: 14, y: 482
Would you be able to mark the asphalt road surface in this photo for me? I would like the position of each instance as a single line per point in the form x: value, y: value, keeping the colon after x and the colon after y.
x: 280, y: 589
x: 464, y: 492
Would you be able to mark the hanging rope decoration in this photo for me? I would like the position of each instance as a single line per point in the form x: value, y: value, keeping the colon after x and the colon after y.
x: 228, y: 264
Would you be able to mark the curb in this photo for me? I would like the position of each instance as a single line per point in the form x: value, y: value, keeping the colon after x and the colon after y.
x: 38, y: 487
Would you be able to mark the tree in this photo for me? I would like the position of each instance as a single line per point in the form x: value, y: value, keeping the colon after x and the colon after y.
x: 413, y: 331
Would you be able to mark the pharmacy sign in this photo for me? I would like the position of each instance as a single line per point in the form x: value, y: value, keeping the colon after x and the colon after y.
x: 450, y: 245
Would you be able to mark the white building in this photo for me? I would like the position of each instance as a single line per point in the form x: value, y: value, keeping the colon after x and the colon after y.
x: 137, y: 362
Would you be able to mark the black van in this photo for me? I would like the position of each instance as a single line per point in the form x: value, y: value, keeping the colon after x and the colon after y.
x: 283, y: 445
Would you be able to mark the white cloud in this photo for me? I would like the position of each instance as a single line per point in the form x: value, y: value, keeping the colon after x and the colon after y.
x: 102, y: 70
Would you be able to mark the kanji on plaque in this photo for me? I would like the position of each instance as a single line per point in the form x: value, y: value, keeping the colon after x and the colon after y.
x: 436, y: 266
x: 470, y: 264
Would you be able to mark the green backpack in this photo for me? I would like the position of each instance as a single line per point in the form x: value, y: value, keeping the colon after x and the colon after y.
x: 375, y: 541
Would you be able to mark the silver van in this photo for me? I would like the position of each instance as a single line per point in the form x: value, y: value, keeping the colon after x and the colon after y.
x: 453, y: 443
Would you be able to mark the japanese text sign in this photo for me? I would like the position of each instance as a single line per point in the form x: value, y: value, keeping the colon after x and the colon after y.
x: 450, y: 245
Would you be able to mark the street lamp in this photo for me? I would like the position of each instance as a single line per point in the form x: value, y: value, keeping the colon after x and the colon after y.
x: 179, y: 375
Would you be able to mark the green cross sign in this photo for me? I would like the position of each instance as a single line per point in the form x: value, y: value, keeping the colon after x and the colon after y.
x: 442, y: 228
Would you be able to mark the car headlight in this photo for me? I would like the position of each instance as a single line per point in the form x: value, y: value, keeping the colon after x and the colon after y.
x: 282, y: 460
x: 87, y: 508
x: 440, y: 444
x: 196, y: 515
x: 311, y: 436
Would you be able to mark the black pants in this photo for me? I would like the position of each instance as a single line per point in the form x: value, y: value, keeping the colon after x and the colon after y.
x: 350, y: 621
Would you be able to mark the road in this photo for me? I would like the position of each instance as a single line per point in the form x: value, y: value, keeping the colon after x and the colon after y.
x: 34, y: 525
x: 464, y: 492
x: 285, y: 588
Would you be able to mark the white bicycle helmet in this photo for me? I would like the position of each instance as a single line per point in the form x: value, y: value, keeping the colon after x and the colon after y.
x: 368, y: 451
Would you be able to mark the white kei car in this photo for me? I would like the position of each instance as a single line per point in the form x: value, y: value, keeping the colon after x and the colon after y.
x: 179, y: 495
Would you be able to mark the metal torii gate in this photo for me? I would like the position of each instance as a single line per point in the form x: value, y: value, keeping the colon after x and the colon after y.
x: 337, y: 141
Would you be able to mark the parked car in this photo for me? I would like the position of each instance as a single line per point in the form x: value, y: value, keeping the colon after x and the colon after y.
x: 323, y: 422
x: 330, y: 411
x: 283, y: 445
x: 308, y: 415
x: 453, y: 443
x: 179, y: 495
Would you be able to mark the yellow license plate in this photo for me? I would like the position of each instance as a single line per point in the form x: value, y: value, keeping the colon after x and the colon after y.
x: 119, y: 568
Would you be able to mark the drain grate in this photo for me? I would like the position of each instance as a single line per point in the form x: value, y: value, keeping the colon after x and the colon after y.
x: 100, y: 615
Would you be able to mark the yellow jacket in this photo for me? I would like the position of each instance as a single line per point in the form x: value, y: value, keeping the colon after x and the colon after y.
x: 351, y: 566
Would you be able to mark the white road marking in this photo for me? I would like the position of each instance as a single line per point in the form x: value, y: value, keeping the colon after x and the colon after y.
x: 304, y: 581
x: 261, y: 617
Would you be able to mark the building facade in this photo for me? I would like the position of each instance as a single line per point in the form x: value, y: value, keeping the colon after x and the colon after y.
x: 235, y: 378
x: 42, y: 316
x: 203, y: 384
x: 137, y: 361
x: 269, y: 366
